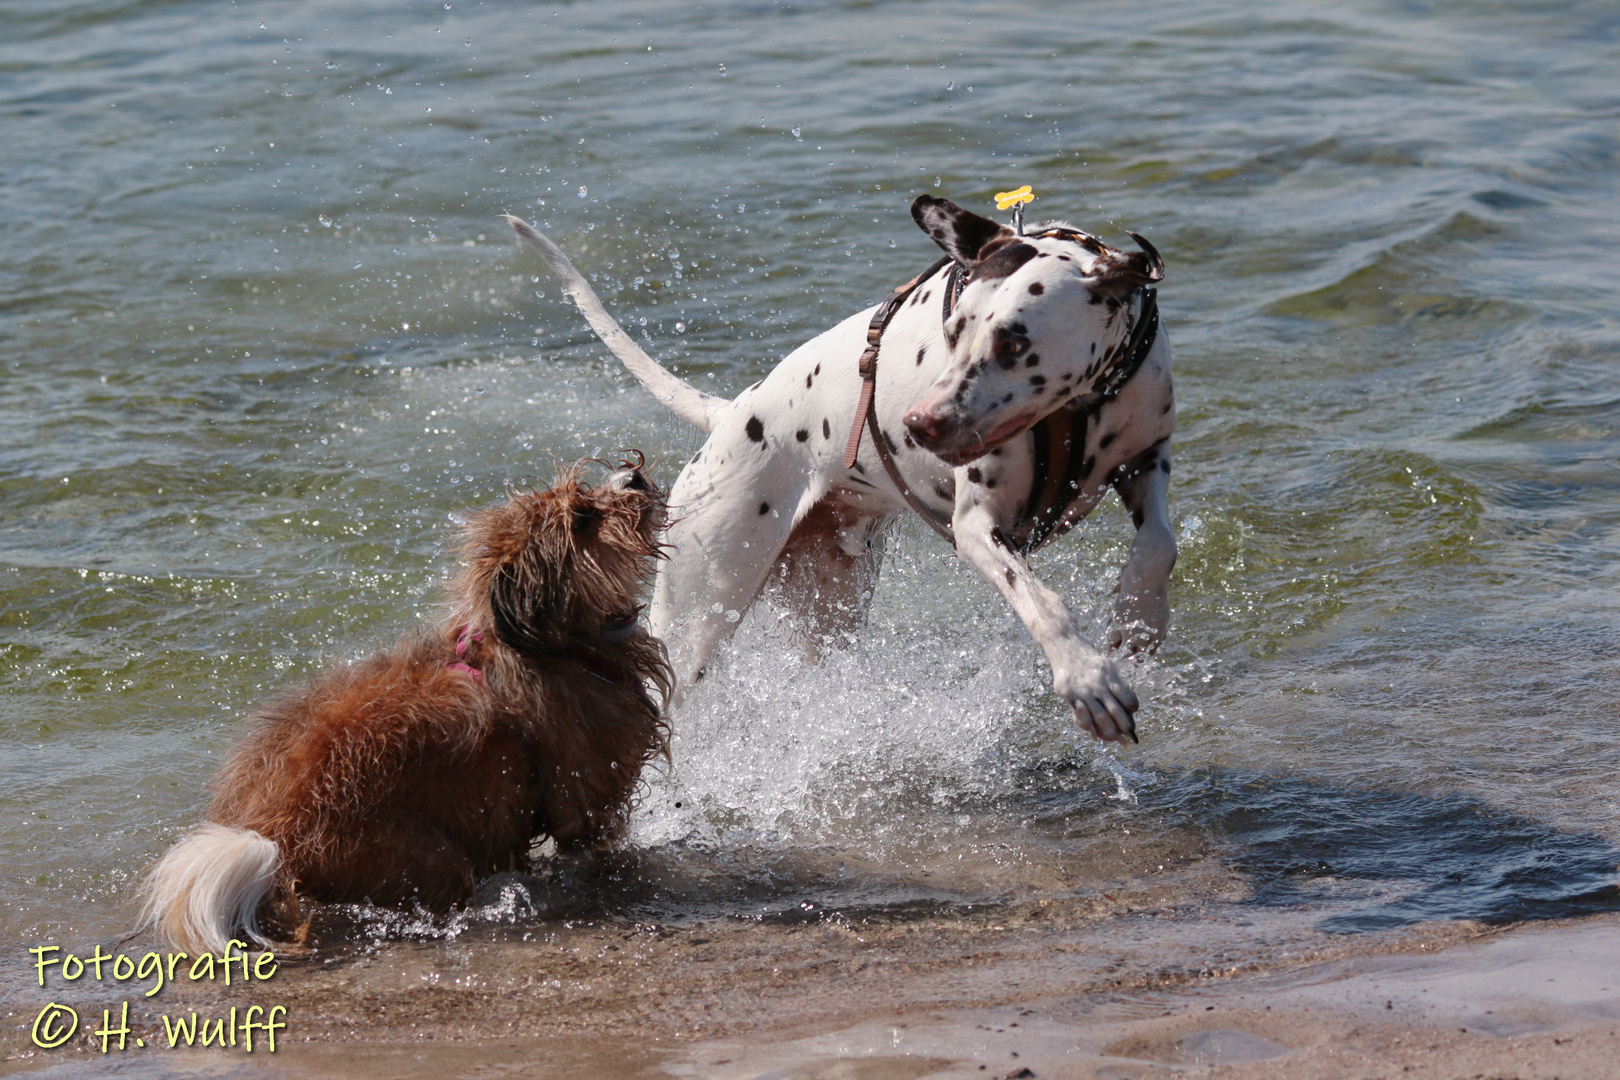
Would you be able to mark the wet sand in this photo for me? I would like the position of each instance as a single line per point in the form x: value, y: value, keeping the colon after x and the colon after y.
x: 1062, y: 990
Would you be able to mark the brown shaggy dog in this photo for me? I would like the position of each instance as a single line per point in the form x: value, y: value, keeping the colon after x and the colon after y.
x: 407, y: 776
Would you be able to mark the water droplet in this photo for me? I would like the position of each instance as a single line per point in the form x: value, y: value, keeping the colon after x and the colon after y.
x: 680, y: 328
x: 891, y: 243
x: 325, y: 221
x: 642, y: 320
x: 1028, y: 115
x: 405, y: 468
x: 722, y: 69
x: 330, y: 64
x: 583, y: 191
x: 733, y: 615
x: 951, y: 85
x: 797, y: 134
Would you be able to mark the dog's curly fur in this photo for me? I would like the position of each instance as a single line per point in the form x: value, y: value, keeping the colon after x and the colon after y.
x: 409, y: 775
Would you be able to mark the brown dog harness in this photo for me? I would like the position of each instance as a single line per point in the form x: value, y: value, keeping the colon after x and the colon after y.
x: 1060, y: 436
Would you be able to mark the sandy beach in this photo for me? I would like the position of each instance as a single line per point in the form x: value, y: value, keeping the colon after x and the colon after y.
x: 1039, y: 989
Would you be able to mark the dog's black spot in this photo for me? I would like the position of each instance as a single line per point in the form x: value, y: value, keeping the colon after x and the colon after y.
x: 1167, y: 407
x: 1065, y: 258
x: 1036, y: 288
x: 999, y: 538
x: 1113, y: 305
x: 953, y: 332
x: 756, y: 386
x: 1001, y: 259
x: 826, y: 429
x: 922, y: 351
x: 944, y: 492
x: 1012, y: 578
x: 817, y: 371
x: 755, y: 429
x: 997, y: 451
x: 802, y: 435
x: 1093, y: 348
x: 1107, y: 440
x: 1032, y: 360
x: 1067, y: 375
x: 858, y: 480
x: 1096, y: 298
x: 764, y: 508
x: 990, y: 483
x: 1007, y: 399
x: 974, y: 476
x: 860, y: 468
x: 1018, y: 328
x: 697, y: 457
x: 1037, y: 380
x: 809, y: 381
x: 909, y: 444
x: 1165, y: 465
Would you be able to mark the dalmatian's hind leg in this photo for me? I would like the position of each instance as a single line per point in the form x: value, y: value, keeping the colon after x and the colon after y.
x: 827, y: 573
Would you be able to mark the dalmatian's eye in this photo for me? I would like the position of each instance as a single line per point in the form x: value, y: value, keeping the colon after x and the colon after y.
x: 1009, y: 347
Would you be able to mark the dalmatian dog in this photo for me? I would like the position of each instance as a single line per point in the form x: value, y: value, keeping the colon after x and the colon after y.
x: 1012, y: 386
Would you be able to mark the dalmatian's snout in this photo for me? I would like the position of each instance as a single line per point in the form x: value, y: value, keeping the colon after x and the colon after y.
x: 932, y: 422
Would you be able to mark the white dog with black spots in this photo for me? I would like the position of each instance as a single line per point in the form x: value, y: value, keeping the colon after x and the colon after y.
x: 1025, y: 376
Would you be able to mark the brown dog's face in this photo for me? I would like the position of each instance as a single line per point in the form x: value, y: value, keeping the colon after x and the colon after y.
x: 564, y: 566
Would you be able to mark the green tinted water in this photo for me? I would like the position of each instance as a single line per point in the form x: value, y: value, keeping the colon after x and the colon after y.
x: 262, y: 337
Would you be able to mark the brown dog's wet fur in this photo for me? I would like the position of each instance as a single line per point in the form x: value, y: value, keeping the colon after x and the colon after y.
x: 407, y: 777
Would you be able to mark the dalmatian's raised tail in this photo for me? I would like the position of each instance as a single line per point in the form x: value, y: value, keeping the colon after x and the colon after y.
x: 678, y: 396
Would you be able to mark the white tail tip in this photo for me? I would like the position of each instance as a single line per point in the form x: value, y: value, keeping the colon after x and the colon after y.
x: 209, y: 886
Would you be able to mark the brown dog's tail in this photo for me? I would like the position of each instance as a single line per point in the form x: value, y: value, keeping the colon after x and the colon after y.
x: 208, y: 887
x: 677, y: 395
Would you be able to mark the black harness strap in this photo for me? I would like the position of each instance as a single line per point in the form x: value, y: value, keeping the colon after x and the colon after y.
x: 1062, y: 452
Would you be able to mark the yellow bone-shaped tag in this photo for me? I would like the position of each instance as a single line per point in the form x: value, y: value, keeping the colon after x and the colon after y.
x: 1023, y: 195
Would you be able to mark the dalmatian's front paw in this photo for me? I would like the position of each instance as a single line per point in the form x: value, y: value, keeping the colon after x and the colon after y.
x: 1103, y: 704
x: 1133, y: 637
x: 1139, y: 622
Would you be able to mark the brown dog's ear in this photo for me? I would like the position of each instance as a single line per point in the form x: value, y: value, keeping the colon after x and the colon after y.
x: 961, y: 233
x: 520, y: 611
x: 1123, y: 273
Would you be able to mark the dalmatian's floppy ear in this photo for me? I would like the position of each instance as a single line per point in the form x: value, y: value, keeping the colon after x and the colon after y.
x: 962, y: 233
x: 1123, y: 273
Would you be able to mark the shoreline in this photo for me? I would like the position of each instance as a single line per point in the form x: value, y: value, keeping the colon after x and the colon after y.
x: 1034, y: 987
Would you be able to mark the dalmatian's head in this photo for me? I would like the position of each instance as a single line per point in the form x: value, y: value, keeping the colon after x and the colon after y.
x: 1040, y: 316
